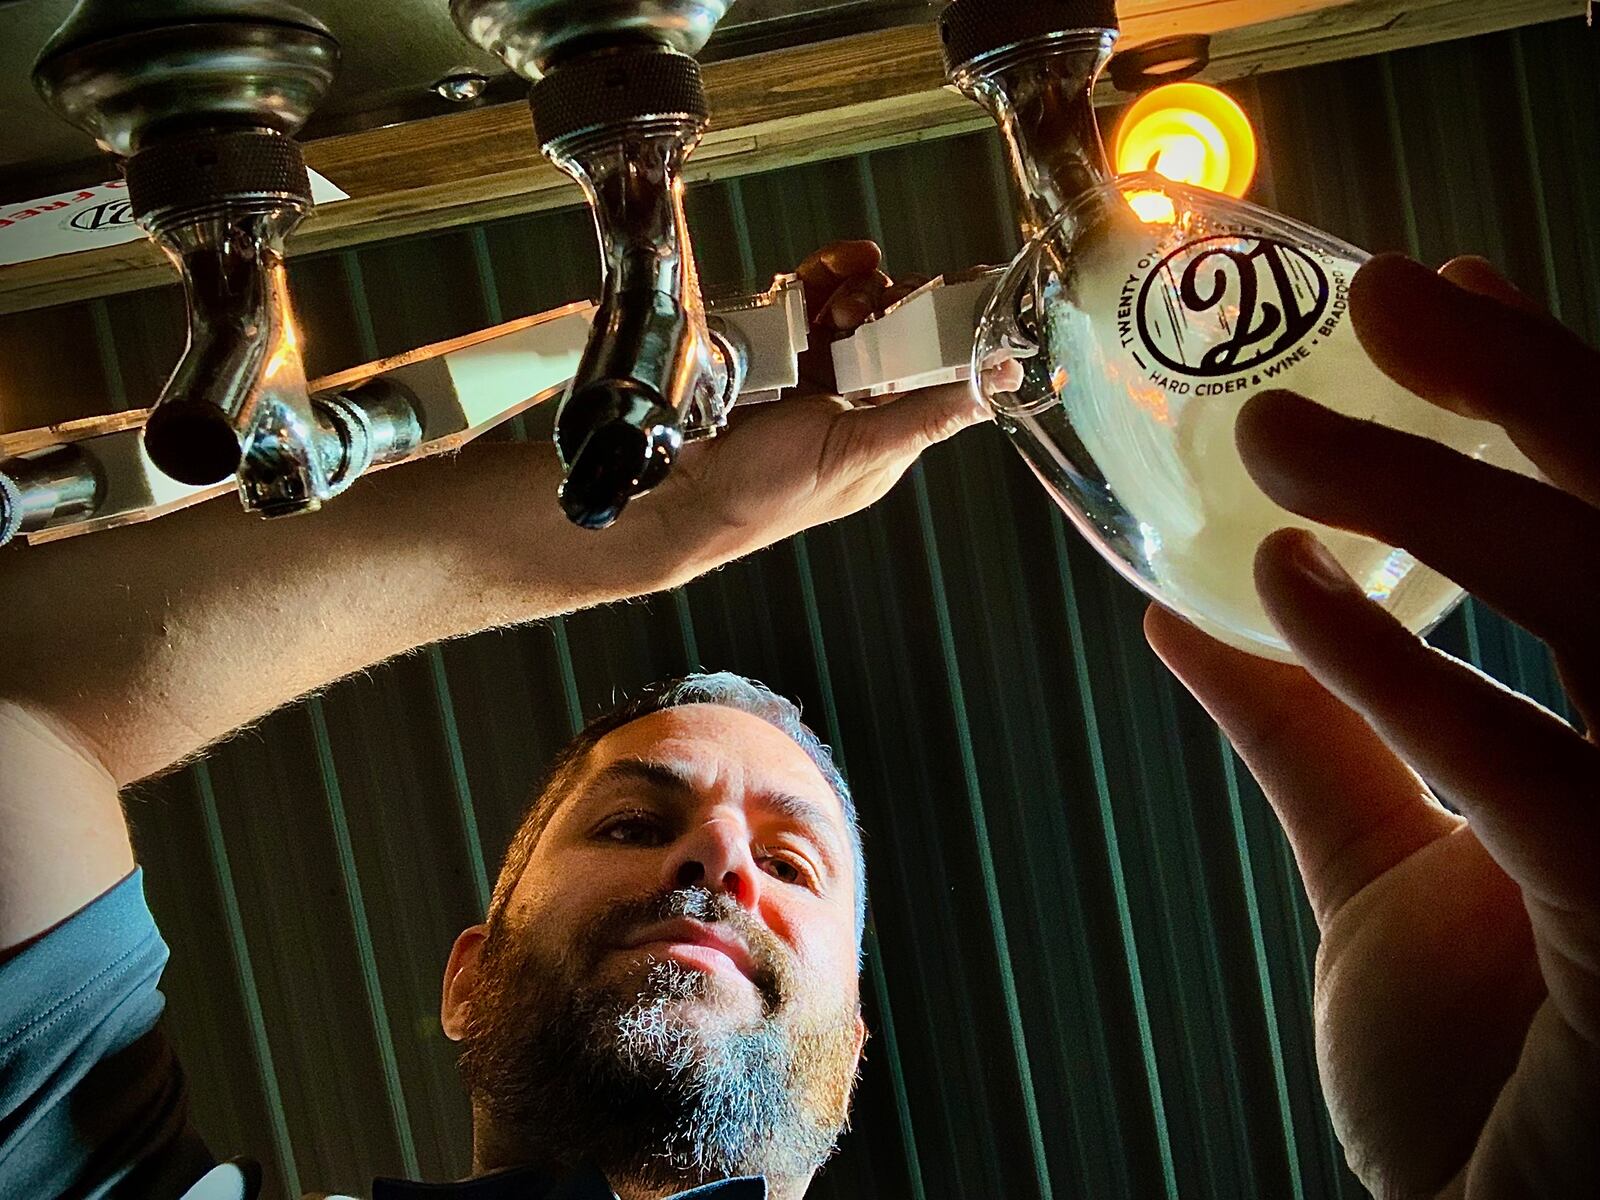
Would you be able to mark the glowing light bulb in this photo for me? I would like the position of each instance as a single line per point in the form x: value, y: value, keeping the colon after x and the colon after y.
x: 1190, y: 133
x: 1182, y: 158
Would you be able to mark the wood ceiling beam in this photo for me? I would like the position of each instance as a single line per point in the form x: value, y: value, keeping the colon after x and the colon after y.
x: 771, y: 110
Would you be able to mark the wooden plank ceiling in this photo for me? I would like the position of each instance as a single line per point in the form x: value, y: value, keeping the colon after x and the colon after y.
x: 771, y: 110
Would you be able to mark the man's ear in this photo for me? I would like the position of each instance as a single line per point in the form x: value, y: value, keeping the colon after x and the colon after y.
x: 461, y: 981
x: 861, y: 1036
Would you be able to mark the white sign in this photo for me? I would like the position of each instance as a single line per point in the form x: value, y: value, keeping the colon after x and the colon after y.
x: 87, y: 219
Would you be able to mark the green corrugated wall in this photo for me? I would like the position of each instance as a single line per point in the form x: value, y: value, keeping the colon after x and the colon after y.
x: 1089, y: 963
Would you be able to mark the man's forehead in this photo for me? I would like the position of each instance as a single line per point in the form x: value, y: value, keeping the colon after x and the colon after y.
x: 714, y: 747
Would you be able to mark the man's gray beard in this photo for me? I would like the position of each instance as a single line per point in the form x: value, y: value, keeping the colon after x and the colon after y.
x: 574, y: 1072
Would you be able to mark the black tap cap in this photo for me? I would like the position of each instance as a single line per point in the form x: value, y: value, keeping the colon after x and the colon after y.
x: 210, y: 167
x: 971, y: 29
x: 616, y: 88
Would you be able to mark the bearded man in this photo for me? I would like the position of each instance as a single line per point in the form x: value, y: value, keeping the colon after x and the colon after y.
x: 665, y: 990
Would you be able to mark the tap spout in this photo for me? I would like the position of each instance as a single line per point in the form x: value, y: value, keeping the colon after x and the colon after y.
x: 619, y: 105
x: 201, y: 101
x: 237, y: 401
x: 622, y: 122
x: 1032, y: 65
x: 220, y: 203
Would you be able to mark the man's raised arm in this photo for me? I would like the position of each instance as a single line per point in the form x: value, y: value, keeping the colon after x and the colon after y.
x: 125, y: 652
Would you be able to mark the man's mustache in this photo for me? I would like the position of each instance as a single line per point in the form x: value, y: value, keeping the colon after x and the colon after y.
x: 770, y: 968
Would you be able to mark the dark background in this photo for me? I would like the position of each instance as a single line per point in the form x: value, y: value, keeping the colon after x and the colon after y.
x: 1090, y: 960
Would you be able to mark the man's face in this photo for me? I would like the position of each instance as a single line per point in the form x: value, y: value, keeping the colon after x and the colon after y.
x: 673, y: 991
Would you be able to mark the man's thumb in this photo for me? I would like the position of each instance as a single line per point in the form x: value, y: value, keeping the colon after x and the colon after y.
x: 909, y: 424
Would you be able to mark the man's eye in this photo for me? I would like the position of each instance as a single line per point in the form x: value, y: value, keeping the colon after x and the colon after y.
x: 634, y: 829
x: 786, y: 869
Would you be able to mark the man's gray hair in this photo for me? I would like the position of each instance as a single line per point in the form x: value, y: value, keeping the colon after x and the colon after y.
x: 723, y: 688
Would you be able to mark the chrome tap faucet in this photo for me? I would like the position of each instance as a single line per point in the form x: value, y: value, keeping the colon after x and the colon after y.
x: 237, y: 401
x: 200, y: 101
x: 618, y: 104
x: 1030, y: 64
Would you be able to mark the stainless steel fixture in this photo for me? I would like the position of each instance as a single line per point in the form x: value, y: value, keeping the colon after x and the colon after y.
x: 93, y: 474
x: 56, y: 484
x: 200, y: 102
x: 530, y: 36
x: 391, y: 57
x: 1029, y: 63
x: 618, y: 105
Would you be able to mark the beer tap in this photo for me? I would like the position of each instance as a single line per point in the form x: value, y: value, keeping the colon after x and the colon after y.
x: 618, y: 104
x: 200, y: 103
x: 1029, y: 63
x: 200, y: 98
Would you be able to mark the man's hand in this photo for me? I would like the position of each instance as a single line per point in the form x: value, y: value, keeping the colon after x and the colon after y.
x: 811, y: 457
x: 1458, y: 979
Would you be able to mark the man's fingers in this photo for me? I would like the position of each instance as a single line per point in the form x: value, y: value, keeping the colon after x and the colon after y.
x: 1351, y: 809
x: 823, y: 272
x: 826, y: 277
x: 1477, y: 274
x: 1525, y: 780
x: 1530, y: 550
x: 852, y: 302
x: 1480, y: 356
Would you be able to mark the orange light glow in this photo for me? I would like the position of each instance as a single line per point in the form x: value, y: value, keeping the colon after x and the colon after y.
x: 1153, y: 208
x: 1190, y: 133
x: 288, y: 346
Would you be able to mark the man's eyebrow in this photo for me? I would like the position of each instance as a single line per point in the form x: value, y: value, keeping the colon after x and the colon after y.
x: 812, y: 816
x: 641, y: 770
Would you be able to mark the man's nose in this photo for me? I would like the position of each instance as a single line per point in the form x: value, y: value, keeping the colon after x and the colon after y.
x: 716, y: 856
